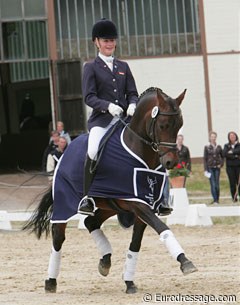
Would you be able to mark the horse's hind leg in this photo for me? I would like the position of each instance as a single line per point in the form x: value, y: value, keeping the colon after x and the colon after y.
x: 93, y: 224
x: 166, y: 236
x: 132, y: 256
x: 58, y: 234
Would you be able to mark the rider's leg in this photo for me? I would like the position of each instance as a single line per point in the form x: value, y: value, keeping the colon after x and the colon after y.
x: 86, y: 205
x: 164, y: 208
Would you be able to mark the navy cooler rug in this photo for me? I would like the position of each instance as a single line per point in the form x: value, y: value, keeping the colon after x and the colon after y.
x: 120, y: 174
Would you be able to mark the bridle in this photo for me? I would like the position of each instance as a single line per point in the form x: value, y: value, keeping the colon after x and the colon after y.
x: 155, y: 144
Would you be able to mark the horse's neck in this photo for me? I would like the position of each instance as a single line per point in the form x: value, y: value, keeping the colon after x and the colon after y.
x: 141, y: 149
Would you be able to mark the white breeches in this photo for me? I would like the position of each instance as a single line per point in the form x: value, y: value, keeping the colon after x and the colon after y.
x: 95, y: 136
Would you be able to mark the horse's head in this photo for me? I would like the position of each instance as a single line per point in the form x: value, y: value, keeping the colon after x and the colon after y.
x: 163, y: 119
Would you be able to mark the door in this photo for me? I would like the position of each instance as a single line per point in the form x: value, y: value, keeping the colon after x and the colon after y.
x: 71, y: 108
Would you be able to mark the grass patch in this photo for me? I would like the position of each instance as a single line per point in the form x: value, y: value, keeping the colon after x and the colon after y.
x: 198, y: 185
x: 231, y: 220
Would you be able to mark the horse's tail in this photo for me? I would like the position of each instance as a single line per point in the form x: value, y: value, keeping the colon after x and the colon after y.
x: 39, y: 222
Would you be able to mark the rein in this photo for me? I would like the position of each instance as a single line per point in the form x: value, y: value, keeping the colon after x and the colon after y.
x: 156, y: 146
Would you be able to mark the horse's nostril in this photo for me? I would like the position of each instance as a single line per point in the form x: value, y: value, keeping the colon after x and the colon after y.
x: 168, y: 165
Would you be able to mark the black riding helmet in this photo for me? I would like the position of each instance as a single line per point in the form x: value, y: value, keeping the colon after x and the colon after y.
x: 104, y: 28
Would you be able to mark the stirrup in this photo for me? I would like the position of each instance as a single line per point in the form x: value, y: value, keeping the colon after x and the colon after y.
x: 87, y: 211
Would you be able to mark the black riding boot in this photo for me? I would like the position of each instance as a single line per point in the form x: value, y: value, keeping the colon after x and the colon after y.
x: 87, y: 204
x: 164, y: 208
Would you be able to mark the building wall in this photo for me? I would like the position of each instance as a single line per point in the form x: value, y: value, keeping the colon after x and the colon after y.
x: 173, y: 74
x: 224, y: 79
x: 222, y: 22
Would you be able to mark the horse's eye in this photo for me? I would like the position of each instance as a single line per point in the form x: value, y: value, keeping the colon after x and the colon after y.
x: 164, y: 127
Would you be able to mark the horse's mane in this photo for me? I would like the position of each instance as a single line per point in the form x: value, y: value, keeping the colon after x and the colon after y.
x: 150, y: 90
x: 157, y: 90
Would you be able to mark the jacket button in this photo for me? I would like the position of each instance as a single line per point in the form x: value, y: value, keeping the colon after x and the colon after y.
x: 114, y: 79
x: 115, y: 90
x: 116, y: 101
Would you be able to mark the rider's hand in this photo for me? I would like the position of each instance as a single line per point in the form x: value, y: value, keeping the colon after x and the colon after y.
x: 115, y: 109
x: 131, y: 109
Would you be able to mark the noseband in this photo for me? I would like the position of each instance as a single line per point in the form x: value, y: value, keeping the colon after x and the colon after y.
x: 155, y: 145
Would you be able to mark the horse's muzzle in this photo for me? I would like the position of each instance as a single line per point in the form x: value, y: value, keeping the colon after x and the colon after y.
x: 169, y: 160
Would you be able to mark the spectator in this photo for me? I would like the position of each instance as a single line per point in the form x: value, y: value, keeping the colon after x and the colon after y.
x: 231, y: 152
x: 183, y: 153
x: 28, y: 120
x: 55, y: 155
x: 213, y: 161
x: 60, y: 129
x: 53, y: 144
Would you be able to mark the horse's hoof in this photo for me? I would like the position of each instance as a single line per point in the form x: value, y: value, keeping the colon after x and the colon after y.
x: 131, y: 287
x: 104, y: 265
x: 51, y: 285
x: 187, y: 267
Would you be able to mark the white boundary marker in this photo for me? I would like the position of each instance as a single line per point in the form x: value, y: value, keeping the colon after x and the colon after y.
x: 200, y: 214
x: 7, y: 217
x: 188, y: 215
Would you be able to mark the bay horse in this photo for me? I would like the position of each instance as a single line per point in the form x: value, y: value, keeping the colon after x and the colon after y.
x: 150, y: 137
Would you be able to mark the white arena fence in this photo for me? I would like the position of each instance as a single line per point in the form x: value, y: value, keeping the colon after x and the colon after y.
x: 192, y: 215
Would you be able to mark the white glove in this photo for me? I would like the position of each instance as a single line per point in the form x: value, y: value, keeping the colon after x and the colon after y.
x: 115, y: 110
x: 131, y: 109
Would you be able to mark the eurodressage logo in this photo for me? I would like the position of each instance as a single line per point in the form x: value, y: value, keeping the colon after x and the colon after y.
x: 150, y: 196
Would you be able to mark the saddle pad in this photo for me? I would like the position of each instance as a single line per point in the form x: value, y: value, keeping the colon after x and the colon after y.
x: 120, y: 174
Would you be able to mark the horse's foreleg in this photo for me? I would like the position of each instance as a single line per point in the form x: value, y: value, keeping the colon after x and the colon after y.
x: 93, y: 224
x: 132, y: 256
x: 166, y: 236
x: 58, y: 233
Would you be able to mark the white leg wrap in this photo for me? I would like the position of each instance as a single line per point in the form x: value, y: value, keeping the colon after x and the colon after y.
x: 54, y: 263
x: 171, y: 243
x: 101, y: 242
x: 130, y: 265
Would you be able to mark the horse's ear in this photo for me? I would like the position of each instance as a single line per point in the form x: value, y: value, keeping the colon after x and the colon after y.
x: 180, y: 98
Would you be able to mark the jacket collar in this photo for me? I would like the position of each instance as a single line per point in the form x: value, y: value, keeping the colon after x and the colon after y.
x: 104, y: 66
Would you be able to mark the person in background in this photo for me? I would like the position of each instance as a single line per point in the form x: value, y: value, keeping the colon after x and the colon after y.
x: 110, y: 90
x: 54, y: 156
x: 27, y: 118
x: 213, y: 161
x: 62, y: 133
x: 53, y: 144
x: 231, y: 152
x: 183, y: 153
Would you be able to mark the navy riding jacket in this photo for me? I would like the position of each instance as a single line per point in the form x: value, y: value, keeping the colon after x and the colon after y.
x: 101, y: 86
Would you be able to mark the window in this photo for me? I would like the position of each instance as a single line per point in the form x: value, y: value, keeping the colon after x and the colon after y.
x: 13, y: 46
x: 23, y: 38
x: 146, y: 27
x: 34, y: 8
x: 10, y: 9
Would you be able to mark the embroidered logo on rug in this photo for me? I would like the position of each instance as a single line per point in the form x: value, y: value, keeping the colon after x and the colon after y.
x: 148, y: 185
